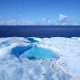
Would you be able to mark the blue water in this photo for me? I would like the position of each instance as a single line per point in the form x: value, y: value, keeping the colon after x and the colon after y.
x: 17, y: 51
x: 40, y: 31
x: 39, y: 53
x: 32, y: 40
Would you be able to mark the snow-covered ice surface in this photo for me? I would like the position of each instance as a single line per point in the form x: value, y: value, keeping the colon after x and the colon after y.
x: 14, y: 66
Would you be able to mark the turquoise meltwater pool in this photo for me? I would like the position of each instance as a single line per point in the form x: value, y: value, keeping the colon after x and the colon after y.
x: 37, y: 52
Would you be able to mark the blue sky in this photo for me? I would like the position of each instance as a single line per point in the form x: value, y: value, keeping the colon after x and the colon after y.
x: 38, y: 9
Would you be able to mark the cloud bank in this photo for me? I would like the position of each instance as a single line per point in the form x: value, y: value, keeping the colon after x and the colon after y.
x: 62, y: 20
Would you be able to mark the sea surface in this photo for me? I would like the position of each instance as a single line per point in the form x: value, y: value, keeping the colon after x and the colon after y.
x: 39, y: 31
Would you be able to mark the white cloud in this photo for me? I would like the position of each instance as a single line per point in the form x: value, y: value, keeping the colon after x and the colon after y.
x: 63, y: 19
x: 77, y: 23
x: 2, y: 22
x: 46, y: 21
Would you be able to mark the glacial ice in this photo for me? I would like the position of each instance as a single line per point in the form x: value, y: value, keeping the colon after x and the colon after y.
x: 14, y: 66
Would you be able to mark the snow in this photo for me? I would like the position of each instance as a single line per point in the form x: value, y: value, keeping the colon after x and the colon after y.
x: 67, y: 67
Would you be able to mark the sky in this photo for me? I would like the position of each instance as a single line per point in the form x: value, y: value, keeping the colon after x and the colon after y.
x: 47, y: 11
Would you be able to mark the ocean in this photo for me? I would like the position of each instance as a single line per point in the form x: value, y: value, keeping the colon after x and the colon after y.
x: 39, y: 31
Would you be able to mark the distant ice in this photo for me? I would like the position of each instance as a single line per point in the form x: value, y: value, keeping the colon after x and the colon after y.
x: 14, y: 66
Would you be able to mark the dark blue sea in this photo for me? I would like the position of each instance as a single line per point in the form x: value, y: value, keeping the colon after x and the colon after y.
x: 39, y: 31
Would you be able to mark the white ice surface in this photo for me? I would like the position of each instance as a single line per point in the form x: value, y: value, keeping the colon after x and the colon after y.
x: 67, y: 67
